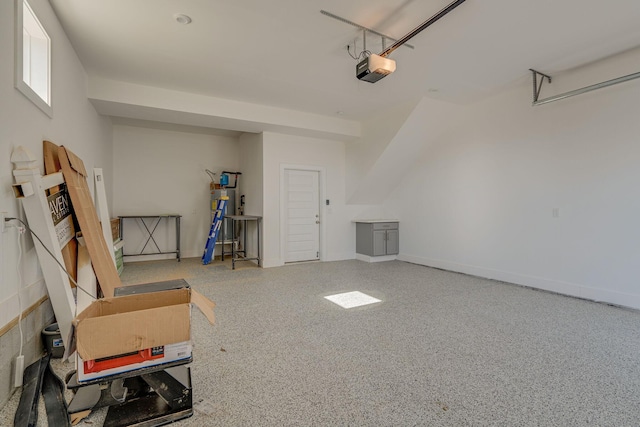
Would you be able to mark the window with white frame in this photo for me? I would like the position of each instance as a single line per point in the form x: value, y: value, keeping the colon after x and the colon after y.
x: 33, y: 59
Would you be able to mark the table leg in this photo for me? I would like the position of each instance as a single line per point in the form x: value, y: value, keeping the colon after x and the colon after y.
x: 233, y: 247
x: 224, y: 233
x: 178, y: 238
x: 244, y: 241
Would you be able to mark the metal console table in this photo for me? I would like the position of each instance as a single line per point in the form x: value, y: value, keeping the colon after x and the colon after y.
x: 241, y: 255
x: 151, y: 228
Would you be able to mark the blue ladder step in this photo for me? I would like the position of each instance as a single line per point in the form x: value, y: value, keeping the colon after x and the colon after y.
x: 216, y: 223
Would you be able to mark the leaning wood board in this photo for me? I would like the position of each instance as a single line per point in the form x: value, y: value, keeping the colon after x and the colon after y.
x: 75, y: 175
x: 52, y: 165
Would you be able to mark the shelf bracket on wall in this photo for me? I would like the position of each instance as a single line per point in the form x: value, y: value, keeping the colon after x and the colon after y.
x: 537, y: 87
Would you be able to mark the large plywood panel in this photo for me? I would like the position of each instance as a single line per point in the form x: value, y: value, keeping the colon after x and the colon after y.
x: 75, y: 175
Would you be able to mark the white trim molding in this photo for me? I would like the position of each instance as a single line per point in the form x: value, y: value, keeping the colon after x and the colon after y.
x: 20, y: 84
x: 323, y: 215
x: 557, y: 286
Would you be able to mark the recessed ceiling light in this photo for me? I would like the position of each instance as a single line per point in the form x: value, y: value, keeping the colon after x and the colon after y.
x: 182, y: 18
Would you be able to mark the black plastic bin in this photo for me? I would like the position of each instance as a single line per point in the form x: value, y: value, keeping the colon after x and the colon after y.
x: 52, y: 341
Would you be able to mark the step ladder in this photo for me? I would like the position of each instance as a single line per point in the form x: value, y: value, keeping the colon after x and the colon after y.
x: 216, y: 223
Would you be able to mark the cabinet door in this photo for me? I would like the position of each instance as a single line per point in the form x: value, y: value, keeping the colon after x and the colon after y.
x: 392, y: 242
x: 364, y: 239
x: 379, y: 242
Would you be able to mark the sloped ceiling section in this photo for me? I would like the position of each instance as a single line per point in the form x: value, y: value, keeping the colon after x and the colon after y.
x: 377, y: 133
x: 425, y: 124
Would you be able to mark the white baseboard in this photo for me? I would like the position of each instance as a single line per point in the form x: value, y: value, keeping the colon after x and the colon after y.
x: 367, y: 258
x: 271, y: 262
x: 277, y: 262
x: 339, y: 256
x: 151, y: 257
x: 558, y: 286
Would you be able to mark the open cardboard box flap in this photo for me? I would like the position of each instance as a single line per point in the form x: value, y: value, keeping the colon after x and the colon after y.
x: 75, y: 176
x: 120, y: 325
x: 76, y: 163
x: 126, y: 324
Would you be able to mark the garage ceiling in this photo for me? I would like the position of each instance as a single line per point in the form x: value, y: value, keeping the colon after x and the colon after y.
x: 285, y: 53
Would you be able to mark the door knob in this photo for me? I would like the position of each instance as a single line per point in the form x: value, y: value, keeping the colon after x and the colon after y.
x: 317, y: 222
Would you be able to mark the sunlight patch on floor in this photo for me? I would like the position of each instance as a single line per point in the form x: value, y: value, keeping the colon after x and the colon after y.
x: 352, y: 299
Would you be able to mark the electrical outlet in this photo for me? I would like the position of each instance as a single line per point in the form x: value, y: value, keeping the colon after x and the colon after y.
x: 3, y: 215
x: 19, y: 372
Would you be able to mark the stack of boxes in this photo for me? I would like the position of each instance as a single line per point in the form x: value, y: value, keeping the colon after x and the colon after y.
x: 118, y: 244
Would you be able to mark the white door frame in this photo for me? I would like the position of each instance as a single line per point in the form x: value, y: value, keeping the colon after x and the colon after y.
x: 283, y: 208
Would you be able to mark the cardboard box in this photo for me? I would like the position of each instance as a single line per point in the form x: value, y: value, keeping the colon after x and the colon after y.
x: 75, y: 176
x: 123, y: 325
x: 121, y: 333
x: 114, y: 366
x: 118, y: 253
x: 115, y: 228
x: 52, y: 165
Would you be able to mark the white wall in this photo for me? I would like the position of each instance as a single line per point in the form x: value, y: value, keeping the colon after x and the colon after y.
x: 163, y: 172
x: 481, y: 201
x: 378, y: 131
x: 251, y: 185
x: 337, y: 239
x: 429, y: 119
x: 76, y: 125
x: 251, y: 181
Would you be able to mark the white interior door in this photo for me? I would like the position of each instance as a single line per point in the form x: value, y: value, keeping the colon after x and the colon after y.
x: 302, y: 215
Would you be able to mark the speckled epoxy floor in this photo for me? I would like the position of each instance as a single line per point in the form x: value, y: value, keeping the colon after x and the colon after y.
x: 441, y: 349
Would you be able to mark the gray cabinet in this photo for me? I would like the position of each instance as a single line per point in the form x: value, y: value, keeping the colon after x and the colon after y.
x: 377, y: 238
